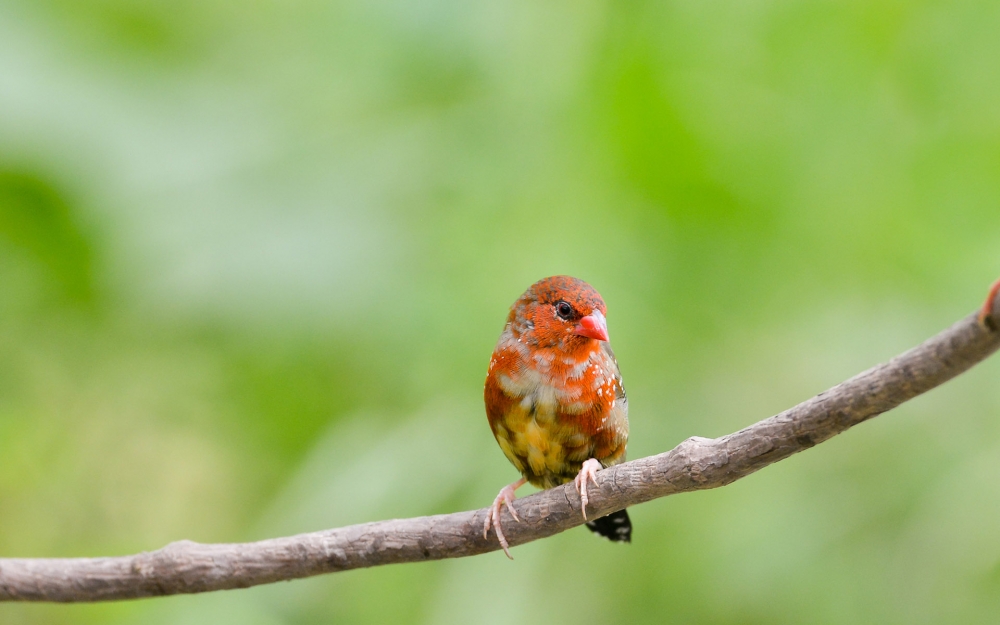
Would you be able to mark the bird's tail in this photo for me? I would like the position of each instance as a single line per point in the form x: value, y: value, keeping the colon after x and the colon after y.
x: 616, y: 527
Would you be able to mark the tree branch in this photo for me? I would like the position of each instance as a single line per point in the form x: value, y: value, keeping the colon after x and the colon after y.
x: 695, y: 464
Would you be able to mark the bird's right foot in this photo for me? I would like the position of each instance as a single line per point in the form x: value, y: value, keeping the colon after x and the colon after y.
x: 504, y: 498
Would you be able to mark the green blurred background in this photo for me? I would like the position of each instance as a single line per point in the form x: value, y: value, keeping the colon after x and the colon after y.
x: 254, y: 257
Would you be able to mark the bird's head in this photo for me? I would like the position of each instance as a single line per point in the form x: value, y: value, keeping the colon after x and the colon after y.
x: 559, y: 312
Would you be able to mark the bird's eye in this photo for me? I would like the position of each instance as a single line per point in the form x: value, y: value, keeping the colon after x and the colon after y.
x: 564, y: 310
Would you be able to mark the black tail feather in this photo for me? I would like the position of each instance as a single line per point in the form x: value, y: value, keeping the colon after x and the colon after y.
x: 616, y: 527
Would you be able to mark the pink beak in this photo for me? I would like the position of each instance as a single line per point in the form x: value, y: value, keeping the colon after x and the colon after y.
x: 593, y: 326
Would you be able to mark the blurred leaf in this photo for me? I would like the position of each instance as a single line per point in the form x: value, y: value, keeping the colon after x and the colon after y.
x: 36, y: 219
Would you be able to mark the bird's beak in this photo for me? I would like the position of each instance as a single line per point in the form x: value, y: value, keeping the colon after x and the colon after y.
x: 593, y: 326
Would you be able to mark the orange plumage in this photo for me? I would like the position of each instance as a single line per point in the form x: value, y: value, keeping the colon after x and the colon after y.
x: 554, y: 396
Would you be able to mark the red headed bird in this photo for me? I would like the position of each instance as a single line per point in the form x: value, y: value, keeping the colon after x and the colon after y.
x: 554, y: 397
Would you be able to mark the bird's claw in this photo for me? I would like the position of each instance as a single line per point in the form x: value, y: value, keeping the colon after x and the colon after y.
x: 504, y: 498
x: 587, y: 471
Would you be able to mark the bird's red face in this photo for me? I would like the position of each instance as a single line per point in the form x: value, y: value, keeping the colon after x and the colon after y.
x: 560, y: 312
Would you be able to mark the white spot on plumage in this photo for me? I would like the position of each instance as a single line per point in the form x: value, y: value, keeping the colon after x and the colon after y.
x: 542, y: 360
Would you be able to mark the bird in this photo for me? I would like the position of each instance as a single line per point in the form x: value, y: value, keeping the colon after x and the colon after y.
x: 555, y: 399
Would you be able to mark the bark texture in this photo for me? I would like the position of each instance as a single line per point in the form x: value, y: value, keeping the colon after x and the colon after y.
x: 695, y: 464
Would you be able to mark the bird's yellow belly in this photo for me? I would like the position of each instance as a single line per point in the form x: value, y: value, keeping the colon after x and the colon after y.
x: 545, y: 451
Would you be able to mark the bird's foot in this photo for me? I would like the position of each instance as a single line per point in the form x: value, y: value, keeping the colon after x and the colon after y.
x: 504, y: 498
x: 587, y: 472
x: 987, y: 310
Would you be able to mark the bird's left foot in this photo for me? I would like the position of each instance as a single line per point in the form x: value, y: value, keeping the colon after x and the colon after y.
x: 587, y: 472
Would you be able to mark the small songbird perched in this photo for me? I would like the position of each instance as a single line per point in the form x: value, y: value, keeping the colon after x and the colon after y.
x: 554, y: 397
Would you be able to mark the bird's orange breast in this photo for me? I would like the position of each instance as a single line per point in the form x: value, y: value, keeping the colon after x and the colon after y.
x: 551, y: 411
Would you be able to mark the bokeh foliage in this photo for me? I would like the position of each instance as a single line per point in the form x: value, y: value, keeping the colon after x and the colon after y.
x: 254, y: 257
